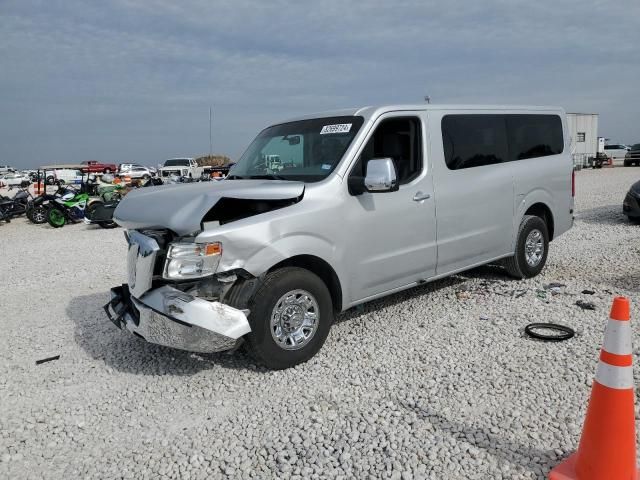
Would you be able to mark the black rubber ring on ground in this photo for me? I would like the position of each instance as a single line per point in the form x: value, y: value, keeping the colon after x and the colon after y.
x: 566, y: 332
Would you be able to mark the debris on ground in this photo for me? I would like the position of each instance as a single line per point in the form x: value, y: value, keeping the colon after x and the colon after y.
x: 463, y: 295
x: 586, y: 305
x: 588, y: 292
x: 48, y: 359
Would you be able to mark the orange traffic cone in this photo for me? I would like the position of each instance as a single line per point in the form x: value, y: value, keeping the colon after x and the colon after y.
x: 607, y: 447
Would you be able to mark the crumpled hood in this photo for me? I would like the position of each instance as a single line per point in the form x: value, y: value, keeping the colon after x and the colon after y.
x: 180, y: 207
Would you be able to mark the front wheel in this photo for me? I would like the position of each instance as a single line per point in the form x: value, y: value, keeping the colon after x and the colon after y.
x: 37, y: 215
x: 291, y: 314
x: 532, y: 245
x: 56, y: 218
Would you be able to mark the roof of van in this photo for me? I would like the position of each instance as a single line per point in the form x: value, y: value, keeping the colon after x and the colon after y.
x: 372, y: 111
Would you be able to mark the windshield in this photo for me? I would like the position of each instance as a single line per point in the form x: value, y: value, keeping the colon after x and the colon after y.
x: 306, y: 150
x: 177, y: 162
x: 635, y: 146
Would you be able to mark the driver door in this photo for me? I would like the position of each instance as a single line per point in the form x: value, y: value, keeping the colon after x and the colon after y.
x: 392, y: 235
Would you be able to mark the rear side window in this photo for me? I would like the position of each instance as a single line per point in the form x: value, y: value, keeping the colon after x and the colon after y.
x: 477, y: 140
x: 533, y: 136
x: 474, y: 140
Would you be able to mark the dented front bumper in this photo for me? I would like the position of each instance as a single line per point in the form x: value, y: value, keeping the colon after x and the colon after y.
x: 170, y: 317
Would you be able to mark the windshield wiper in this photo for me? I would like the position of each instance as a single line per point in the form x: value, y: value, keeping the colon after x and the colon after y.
x: 270, y: 176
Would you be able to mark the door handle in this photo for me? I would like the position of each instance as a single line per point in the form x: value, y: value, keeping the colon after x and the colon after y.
x: 418, y: 197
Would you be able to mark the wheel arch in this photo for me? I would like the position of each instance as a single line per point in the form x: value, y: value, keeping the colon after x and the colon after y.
x: 542, y: 210
x: 320, y: 268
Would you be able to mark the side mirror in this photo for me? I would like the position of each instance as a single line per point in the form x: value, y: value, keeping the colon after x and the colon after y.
x: 381, y: 176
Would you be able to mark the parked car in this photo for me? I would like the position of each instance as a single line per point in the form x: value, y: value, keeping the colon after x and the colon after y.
x: 361, y: 211
x: 181, y: 167
x: 15, y: 179
x: 616, y: 151
x: 633, y: 156
x: 631, y: 203
x: 140, y: 172
x: 93, y: 166
x: 4, y: 169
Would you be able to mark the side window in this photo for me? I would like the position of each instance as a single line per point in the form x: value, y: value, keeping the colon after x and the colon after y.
x: 474, y: 140
x: 533, y: 136
x: 399, y: 139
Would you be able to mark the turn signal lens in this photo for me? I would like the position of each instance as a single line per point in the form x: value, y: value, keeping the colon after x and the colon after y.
x: 212, y: 248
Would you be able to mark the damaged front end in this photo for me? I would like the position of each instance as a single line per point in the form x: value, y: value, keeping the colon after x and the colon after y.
x: 189, y: 315
x: 179, y: 292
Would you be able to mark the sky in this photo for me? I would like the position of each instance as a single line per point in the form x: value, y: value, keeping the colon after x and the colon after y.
x: 132, y: 81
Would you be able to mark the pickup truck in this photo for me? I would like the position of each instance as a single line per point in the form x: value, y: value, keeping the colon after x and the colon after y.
x: 93, y: 166
x: 180, y: 167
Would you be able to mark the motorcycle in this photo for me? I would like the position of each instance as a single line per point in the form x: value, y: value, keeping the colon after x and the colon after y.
x: 18, y: 205
x: 69, y: 208
x: 38, y: 208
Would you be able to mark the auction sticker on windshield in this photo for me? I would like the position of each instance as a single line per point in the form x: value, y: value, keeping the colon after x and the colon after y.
x: 338, y: 128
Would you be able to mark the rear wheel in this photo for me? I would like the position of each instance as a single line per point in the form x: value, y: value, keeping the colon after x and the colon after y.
x: 291, y: 314
x: 627, y: 163
x: 56, y: 218
x: 532, y: 245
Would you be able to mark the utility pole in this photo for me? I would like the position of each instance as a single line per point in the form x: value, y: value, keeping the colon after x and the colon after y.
x: 210, y: 136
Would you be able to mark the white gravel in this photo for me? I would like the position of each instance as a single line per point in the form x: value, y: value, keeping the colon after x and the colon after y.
x: 437, y: 382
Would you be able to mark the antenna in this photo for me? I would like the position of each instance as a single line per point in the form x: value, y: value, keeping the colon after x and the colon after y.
x: 210, y: 137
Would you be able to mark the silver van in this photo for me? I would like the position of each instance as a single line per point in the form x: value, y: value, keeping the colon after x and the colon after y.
x: 364, y: 203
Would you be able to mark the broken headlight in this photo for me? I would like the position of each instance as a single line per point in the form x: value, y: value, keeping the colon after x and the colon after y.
x: 187, y: 261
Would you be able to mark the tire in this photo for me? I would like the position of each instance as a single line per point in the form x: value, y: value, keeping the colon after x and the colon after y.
x: 51, y: 180
x: 107, y: 170
x: 517, y: 265
x: 108, y: 225
x: 56, y: 218
x: 627, y: 164
x: 268, y: 298
x: 38, y: 215
x: 61, y: 182
x: 146, y: 176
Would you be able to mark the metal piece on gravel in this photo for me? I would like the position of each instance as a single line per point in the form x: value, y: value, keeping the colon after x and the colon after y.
x: 48, y: 359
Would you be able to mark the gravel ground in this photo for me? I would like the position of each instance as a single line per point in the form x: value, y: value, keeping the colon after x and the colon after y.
x: 436, y: 382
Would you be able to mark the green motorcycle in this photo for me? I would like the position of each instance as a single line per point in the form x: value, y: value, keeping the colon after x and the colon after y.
x: 69, y: 208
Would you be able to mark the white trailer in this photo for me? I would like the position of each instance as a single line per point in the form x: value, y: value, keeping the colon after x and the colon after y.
x: 583, y: 134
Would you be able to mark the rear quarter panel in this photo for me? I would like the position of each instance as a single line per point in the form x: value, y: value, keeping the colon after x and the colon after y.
x: 546, y: 180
